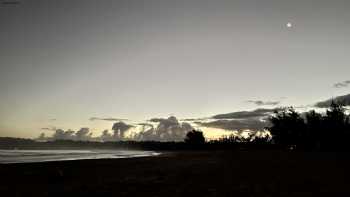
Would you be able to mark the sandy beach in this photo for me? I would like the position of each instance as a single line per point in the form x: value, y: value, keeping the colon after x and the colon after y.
x: 220, y: 173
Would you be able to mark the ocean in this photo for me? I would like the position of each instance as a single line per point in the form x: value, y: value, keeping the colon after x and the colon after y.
x: 28, y: 156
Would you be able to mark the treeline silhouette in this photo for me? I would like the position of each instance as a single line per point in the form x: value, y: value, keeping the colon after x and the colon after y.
x: 311, y: 130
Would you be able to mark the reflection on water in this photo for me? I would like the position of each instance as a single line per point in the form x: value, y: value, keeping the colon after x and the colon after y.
x: 23, y: 156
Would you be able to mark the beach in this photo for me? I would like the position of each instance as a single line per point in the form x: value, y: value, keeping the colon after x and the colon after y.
x: 201, y: 173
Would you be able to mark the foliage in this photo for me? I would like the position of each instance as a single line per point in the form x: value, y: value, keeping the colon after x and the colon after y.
x: 311, y: 130
x: 195, y: 137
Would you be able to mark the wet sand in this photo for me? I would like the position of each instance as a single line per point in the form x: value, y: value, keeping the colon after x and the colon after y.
x: 214, y: 173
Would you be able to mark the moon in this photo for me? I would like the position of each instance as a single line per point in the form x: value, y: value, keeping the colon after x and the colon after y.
x: 289, y: 25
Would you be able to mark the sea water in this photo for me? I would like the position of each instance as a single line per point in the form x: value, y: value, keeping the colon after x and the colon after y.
x: 26, y: 156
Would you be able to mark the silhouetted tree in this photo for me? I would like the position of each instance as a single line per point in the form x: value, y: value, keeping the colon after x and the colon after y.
x: 287, y: 127
x: 195, y: 137
x: 260, y: 139
x: 336, y: 127
x: 315, y: 131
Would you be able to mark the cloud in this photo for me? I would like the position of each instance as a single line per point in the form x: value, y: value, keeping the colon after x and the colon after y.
x: 168, y: 129
x: 251, y: 124
x: 260, y: 112
x: 106, y: 136
x: 60, y: 134
x: 193, y: 119
x: 344, y: 100
x: 9, y: 2
x: 119, y: 129
x: 165, y: 129
x: 260, y: 103
x: 83, y: 134
x: 107, y: 119
x: 342, y: 84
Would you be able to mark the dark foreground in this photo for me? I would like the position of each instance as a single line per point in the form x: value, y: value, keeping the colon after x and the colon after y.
x: 236, y: 173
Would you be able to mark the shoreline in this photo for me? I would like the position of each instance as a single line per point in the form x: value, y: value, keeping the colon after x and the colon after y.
x: 42, y: 156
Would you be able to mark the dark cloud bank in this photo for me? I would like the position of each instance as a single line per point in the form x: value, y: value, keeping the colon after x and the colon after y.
x: 255, y: 120
x: 238, y: 125
x: 261, y: 112
x: 344, y: 100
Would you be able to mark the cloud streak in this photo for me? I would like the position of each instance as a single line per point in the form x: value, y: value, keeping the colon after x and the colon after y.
x: 260, y: 112
x: 342, y: 84
x: 49, y: 128
x: 107, y: 119
x: 261, y: 103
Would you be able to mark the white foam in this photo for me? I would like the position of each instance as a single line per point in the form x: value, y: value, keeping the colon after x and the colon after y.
x: 26, y: 156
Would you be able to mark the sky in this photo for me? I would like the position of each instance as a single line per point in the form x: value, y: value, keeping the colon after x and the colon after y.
x: 63, y: 62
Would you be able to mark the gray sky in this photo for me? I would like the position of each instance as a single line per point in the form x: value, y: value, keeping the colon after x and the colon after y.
x: 73, y: 60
